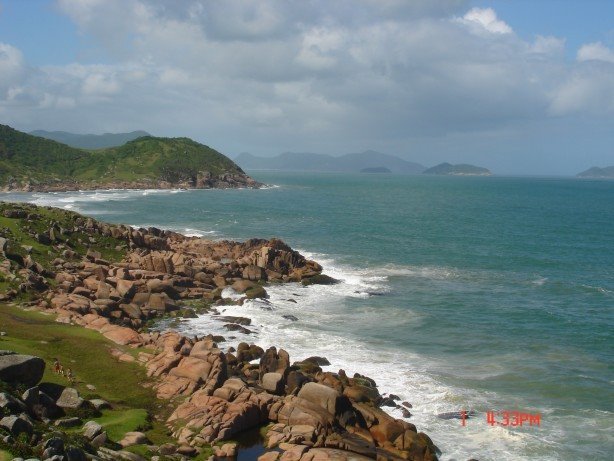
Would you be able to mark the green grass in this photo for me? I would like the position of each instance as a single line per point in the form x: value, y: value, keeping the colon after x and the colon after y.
x: 118, y: 422
x: 5, y: 456
x: 85, y: 351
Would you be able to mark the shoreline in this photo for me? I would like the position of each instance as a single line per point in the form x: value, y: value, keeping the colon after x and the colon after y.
x: 224, y: 181
x: 274, y: 388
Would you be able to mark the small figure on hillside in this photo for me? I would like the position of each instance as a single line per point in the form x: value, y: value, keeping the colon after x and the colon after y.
x: 61, y: 370
x: 56, y: 366
x: 69, y: 375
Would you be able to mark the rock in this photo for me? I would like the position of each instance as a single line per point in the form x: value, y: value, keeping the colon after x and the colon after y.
x: 256, y: 292
x: 92, y: 429
x: 320, y: 395
x: 121, y: 335
x: 273, y: 361
x: 238, y: 320
x: 75, y: 454
x: 187, y: 450
x: 21, y: 369
x: 228, y: 450
x: 126, y: 288
x: 55, y: 444
x: 100, y: 440
x: 273, y: 383
x: 295, y: 381
x: 254, y: 273
x: 239, y: 328
x: 269, y: 456
x: 16, y: 425
x: 320, y: 279
x: 241, y: 286
x: 70, y: 399
x: 290, y: 317
x: 167, y: 449
x: 321, y: 361
x: 68, y: 422
x: 10, y: 405
x: 134, y: 438
x: 100, y: 404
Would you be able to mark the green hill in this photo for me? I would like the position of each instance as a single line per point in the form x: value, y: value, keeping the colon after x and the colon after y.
x: 33, y: 163
x: 458, y: 170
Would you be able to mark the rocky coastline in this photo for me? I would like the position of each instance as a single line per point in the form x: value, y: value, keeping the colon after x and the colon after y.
x: 204, y: 180
x: 118, y: 280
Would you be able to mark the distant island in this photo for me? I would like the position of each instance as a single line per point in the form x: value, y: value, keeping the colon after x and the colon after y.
x: 596, y: 172
x: 377, y: 169
x: 33, y: 163
x: 90, y: 141
x: 348, y: 163
x: 458, y: 170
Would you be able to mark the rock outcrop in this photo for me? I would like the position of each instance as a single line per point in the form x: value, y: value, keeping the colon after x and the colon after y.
x: 214, y: 395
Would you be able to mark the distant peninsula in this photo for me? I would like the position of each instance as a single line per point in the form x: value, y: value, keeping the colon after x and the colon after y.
x: 90, y: 141
x: 35, y: 164
x: 458, y: 170
x: 348, y: 163
x: 377, y: 169
x: 598, y: 173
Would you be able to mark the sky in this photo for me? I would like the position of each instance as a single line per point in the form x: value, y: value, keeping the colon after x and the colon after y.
x: 517, y: 86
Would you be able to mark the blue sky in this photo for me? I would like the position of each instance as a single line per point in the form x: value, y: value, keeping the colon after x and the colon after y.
x: 518, y: 86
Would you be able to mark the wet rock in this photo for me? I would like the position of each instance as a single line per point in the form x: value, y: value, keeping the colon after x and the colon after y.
x: 238, y: 320
x: 321, y: 361
x: 320, y: 279
x: 238, y: 328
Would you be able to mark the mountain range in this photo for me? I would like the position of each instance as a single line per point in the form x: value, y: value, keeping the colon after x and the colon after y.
x: 348, y: 163
x: 90, y: 141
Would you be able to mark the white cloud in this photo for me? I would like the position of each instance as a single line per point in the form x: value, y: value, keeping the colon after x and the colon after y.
x: 12, y: 66
x: 313, y: 74
x: 548, y: 45
x: 100, y: 85
x: 595, y: 52
x: 485, y: 19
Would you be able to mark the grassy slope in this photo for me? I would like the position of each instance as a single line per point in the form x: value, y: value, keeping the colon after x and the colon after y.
x: 20, y: 233
x: 41, y: 160
x: 87, y: 353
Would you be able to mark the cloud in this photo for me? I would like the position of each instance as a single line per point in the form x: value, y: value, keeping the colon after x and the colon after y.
x: 319, y: 75
x: 12, y: 67
x: 595, y: 52
x: 485, y: 19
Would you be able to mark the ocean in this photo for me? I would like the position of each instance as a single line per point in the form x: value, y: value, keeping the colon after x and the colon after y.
x: 483, y: 294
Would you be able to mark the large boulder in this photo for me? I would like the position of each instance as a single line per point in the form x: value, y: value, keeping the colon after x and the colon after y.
x: 21, y: 369
x: 70, y: 399
x: 16, y: 425
x: 320, y: 395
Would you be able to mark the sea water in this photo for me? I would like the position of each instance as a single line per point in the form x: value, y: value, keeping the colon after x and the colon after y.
x: 458, y: 293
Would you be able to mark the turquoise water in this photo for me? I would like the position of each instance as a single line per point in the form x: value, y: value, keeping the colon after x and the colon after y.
x: 458, y: 293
